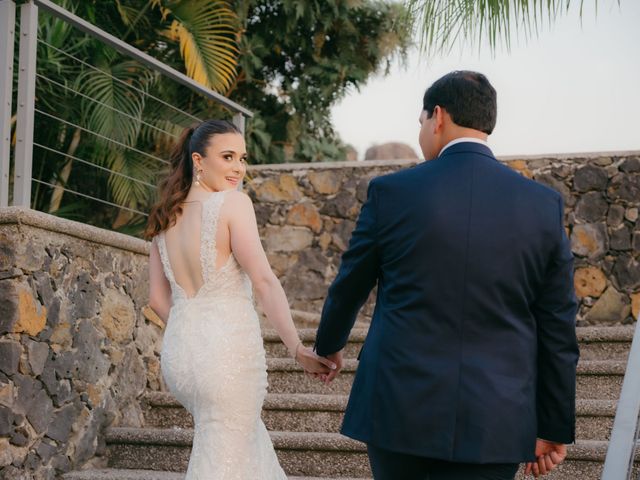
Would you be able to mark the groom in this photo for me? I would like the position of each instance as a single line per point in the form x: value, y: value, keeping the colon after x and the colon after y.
x: 469, y: 365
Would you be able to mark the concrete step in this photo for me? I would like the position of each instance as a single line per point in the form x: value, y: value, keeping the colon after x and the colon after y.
x: 597, y: 379
x: 128, y: 474
x: 600, y: 379
x: 324, y: 413
x: 596, y: 343
x: 605, y: 343
x: 281, y: 412
x: 276, y: 349
x: 301, y: 454
x: 303, y: 319
x: 306, y: 454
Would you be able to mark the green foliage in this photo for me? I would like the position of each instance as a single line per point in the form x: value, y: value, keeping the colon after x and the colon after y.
x: 299, y: 58
x: 288, y: 61
x: 445, y: 23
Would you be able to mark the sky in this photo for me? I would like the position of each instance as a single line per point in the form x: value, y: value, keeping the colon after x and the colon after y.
x: 574, y: 88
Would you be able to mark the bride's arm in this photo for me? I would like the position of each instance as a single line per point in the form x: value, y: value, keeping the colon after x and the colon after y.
x: 159, y: 288
x: 248, y: 251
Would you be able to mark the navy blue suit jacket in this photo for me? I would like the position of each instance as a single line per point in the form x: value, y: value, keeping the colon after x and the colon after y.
x: 472, y: 351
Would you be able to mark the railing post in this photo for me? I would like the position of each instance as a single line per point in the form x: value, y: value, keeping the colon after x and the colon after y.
x: 238, y: 121
x: 26, y: 104
x: 7, y: 27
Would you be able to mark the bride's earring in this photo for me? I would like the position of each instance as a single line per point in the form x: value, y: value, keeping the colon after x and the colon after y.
x: 197, y: 182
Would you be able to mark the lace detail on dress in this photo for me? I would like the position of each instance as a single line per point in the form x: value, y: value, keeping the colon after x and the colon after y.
x: 210, y: 215
x: 177, y: 292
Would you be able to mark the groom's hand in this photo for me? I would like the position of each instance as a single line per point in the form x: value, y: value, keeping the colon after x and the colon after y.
x: 337, y: 359
x: 548, y: 456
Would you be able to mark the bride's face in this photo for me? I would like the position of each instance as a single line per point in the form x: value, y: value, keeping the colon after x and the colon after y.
x: 224, y: 163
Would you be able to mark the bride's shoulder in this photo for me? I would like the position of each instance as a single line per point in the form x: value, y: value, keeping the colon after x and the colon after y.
x: 238, y: 202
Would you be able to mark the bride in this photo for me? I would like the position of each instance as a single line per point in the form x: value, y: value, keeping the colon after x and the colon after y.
x: 206, y: 259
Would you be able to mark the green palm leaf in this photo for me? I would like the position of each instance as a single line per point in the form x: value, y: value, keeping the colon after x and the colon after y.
x: 206, y: 31
x: 442, y: 23
x: 117, y: 108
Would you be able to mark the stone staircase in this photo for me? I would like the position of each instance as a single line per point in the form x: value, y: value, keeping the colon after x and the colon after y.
x: 304, y: 417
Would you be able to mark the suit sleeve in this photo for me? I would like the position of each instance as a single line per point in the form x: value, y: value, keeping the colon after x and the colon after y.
x: 356, y: 278
x: 555, y: 313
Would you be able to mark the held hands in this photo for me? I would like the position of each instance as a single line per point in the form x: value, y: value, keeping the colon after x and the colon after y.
x: 337, y: 359
x: 312, y: 363
x: 549, y: 455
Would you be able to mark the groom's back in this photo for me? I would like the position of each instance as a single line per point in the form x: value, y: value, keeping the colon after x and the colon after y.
x: 464, y: 245
x: 466, y: 228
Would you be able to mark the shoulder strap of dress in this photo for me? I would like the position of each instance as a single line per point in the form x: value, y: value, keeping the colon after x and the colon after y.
x: 210, y: 215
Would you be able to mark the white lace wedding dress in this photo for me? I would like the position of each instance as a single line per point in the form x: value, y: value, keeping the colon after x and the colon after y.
x: 213, y: 362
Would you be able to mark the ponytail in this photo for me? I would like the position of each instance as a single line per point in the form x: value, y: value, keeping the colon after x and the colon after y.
x: 175, y: 187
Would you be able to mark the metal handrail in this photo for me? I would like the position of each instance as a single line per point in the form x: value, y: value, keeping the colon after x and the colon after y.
x: 26, y: 88
x: 142, y: 57
x: 624, y: 435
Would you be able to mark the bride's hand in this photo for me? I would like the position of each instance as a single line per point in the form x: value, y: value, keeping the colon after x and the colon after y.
x: 312, y: 363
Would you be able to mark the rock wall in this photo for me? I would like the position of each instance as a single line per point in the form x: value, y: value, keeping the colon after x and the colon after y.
x: 75, y: 349
x: 306, y: 213
x: 76, y: 352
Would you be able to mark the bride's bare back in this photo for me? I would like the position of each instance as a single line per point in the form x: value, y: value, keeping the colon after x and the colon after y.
x: 184, y: 243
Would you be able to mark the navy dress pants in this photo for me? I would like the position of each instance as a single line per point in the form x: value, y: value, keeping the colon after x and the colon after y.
x: 387, y: 465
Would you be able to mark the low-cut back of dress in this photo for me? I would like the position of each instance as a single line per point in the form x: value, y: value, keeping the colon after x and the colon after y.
x: 213, y: 362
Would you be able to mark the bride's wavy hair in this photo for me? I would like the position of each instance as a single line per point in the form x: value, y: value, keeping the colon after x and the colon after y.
x: 175, y: 186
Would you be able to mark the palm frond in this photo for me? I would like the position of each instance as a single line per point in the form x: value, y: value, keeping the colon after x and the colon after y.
x: 444, y: 23
x: 206, y: 32
x: 116, y: 110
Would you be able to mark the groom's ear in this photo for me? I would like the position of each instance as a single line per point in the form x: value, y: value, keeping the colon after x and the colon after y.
x: 438, y: 118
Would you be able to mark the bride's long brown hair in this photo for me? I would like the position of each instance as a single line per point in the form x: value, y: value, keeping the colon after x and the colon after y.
x: 175, y: 186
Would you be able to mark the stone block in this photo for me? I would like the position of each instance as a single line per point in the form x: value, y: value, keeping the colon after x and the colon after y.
x: 635, y: 305
x: 626, y: 272
x: 591, y: 207
x: 630, y: 165
x: 91, y: 363
x: 37, y: 352
x: 305, y: 215
x: 84, y: 296
x: 615, y: 215
x: 287, y: 239
x: 10, y: 352
x: 625, y: 187
x: 589, y: 240
x: 62, y: 422
x: 611, y: 308
x: 117, y: 316
x: 282, y: 189
x: 632, y: 214
x: 590, y: 177
x: 39, y: 414
x: 326, y: 182
x: 6, y: 420
x: 589, y: 282
x: 620, y: 238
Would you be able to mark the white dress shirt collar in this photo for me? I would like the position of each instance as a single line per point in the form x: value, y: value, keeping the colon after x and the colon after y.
x: 463, y: 139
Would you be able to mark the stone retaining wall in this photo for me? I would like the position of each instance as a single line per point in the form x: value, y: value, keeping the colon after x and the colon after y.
x: 306, y: 213
x: 76, y: 352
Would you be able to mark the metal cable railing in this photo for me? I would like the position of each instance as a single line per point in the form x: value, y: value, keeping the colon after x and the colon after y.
x: 106, y: 144
x: 122, y: 82
x: 103, y: 137
x: 102, y: 104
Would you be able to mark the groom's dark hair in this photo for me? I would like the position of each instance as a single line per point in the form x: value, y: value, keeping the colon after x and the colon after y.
x: 467, y: 96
